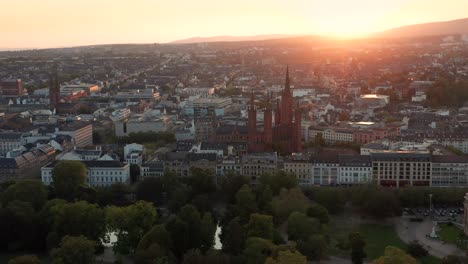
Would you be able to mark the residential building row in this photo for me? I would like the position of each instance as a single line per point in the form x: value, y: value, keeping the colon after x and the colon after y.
x: 391, y: 168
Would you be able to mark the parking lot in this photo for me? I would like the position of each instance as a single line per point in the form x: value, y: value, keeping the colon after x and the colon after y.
x: 441, y: 214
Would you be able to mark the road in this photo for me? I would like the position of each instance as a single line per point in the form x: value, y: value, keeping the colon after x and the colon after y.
x: 411, y: 231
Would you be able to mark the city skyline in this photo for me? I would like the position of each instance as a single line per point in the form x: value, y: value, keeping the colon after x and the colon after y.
x: 52, y: 23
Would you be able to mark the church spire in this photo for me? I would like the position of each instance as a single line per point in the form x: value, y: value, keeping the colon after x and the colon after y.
x: 286, y: 85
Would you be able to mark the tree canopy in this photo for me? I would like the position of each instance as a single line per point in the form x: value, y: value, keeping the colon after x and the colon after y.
x: 68, y: 176
x: 74, y: 250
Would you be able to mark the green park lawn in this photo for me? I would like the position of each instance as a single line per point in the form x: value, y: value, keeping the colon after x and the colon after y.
x: 377, y: 238
x: 449, y: 233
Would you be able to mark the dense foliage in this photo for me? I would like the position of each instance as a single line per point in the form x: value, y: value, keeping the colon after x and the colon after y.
x: 174, y: 220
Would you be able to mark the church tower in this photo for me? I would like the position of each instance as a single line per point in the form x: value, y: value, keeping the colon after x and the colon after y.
x: 252, y: 127
x: 268, y: 122
x: 286, y: 102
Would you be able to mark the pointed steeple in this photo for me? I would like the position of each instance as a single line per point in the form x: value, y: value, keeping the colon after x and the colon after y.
x: 252, y: 101
x: 286, y: 85
x: 268, y: 100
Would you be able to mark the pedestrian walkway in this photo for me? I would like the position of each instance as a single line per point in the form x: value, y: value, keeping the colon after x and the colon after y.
x: 411, y: 231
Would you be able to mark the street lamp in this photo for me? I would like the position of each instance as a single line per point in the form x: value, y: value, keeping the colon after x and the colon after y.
x: 430, y: 204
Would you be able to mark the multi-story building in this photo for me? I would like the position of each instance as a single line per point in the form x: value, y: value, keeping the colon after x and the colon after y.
x: 204, y: 128
x: 120, y: 114
x: 230, y: 164
x: 324, y: 170
x: 256, y: 164
x: 10, y: 141
x: 332, y: 135
x: 209, y: 106
x: 133, y: 153
x: 26, y: 165
x: 99, y: 172
x: 301, y: 166
x: 182, y: 162
x: 123, y: 129
x: 81, y: 132
x: 401, y: 168
x: 153, y: 168
x: 354, y: 169
x: 449, y: 171
x: 11, y: 88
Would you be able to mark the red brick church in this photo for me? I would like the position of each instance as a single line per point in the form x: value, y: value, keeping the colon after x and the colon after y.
x: 284, y: 135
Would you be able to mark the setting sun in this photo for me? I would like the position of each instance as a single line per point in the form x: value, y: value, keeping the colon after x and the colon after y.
x: 52, y: 23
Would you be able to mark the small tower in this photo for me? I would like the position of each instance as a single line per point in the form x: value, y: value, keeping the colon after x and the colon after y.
x: 286, y: 102
x: 268, y: 122
x: 297, y: 129
x: 252, y: 127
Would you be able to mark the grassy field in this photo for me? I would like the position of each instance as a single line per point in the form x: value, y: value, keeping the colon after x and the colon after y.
x: 377, y: 238
x: 449, y: 233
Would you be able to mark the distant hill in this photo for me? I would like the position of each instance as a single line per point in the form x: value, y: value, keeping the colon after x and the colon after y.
x: 231, y: 38
x: 458, y: 26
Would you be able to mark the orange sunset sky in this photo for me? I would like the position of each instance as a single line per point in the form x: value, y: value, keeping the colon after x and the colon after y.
x: 58, y: 23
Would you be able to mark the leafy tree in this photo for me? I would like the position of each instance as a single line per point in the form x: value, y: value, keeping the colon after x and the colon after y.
x: 131, y: 223
x: 116, y: 194
x: 376, y: 202
x: 170, y: 182
x: 196, y: 257
x: 203, y: 202
x: 25, y: 259
x: 17, y: 226
x: 79, y: 218
x: 230, y: 185
x: 278, y: 180
x: 179, y: 198
x: 179, y: 229
x: 289, y: 201
x: 155, y: 246
x: 416, y: 250
x: 150, y: 190
x: 201, y: 181
x: 265, y: 198
x: 74, y: 250
x: 314, y: 248
x: 301, y: 227
x: 357, y: 248
x: 67, y: 177
x: 395, y: 255
x: 233, y: 237
x: 319, y: 212
x: 191, y: 231
x: 30, y: 191
x: 257, y: 250
x: 208, y: 229
x: 332, y: 198
x: 245, y: 202
x: 260, y: 226
x: 447, y: 92
x: 287, y: 257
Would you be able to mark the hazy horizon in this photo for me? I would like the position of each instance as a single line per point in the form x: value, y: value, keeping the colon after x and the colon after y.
x: 53, y: 24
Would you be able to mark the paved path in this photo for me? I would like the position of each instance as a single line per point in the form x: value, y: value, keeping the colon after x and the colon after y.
x: 410, y: 231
